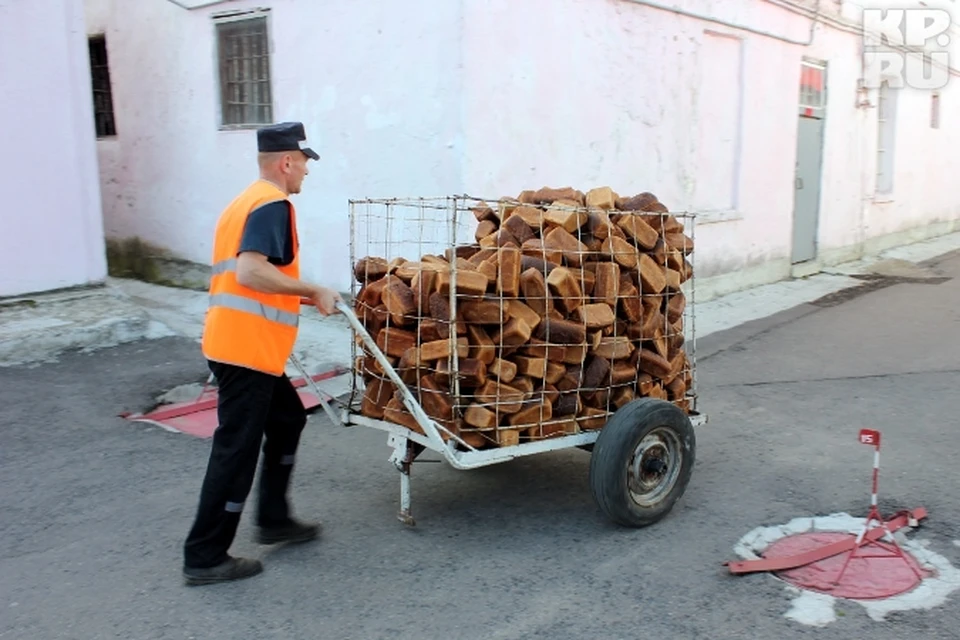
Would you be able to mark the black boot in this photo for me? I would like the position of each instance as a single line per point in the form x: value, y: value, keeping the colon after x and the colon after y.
x: 290, y: 531
x: 231, y: 569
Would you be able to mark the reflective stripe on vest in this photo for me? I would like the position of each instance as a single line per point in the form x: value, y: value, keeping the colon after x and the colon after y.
x: 240, y: 303
x: 223, y: 267
x: 249, y: 305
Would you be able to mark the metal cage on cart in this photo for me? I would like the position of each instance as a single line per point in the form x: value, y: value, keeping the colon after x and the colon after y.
x: 444, y: 294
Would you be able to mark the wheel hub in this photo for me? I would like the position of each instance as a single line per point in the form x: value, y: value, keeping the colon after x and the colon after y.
x: 654, y: 467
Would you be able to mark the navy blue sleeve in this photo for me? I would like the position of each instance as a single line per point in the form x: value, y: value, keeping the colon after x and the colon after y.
x: 267, y: 231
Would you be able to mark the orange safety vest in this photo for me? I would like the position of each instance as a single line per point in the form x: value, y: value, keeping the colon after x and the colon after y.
x: 245, y: 327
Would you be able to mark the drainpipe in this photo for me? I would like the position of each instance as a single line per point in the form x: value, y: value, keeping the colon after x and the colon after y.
x: 863, y: 107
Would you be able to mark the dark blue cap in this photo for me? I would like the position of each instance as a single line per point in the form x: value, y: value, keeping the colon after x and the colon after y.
x: 284, y: 136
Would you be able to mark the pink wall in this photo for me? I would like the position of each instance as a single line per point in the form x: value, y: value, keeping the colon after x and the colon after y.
x: 51, y: 234
x: 923, y: 198
x: 490, y: 97
x: 591, y: 93
x: 374, y: 83
x: 620, y: 93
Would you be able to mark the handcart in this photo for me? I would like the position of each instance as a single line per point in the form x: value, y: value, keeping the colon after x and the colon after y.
x: 641, y: 459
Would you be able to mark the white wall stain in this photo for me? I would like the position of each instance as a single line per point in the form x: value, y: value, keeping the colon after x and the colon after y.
x: 817, y: 609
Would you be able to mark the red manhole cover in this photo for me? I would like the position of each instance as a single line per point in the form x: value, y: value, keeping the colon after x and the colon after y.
x: 866, y: 578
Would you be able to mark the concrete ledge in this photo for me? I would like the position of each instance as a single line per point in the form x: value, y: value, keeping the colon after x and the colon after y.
x: 873, y: 247
x: 880, y: 244
x: 36, y: 329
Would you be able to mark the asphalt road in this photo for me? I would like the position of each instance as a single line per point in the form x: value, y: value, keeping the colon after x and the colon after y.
x: 93, y: 509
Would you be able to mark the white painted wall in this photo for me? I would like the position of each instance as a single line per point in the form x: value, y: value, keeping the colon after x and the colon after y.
x: 491, y: 97
x: 625, y: 94
x: 374, y: 83
x: 51, y: 233
x: 854, y: 218
x: 627, y: 100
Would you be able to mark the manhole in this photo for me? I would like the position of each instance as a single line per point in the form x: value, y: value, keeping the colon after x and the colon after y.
x: 880, y: 586
x: 873, y: 572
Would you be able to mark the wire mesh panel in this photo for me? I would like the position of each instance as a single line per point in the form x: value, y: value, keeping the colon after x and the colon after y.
x: 514, y: 320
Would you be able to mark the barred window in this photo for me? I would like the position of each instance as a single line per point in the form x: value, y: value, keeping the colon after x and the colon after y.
x: 244, y: 56
x: 102, y: 95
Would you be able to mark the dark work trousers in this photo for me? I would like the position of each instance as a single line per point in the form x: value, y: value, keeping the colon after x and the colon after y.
x: 250, y: 405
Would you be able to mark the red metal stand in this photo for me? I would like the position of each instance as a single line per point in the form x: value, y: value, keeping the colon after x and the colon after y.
x: 891, y: 549
x: 852, y: 547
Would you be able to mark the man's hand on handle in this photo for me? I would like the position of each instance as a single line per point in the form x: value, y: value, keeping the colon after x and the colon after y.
x: 324, y: 300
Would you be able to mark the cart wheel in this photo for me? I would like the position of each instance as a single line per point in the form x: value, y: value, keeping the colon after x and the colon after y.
x: 642, y: 462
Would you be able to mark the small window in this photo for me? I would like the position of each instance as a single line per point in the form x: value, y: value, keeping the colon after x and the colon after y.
x: 886, y: 137
x: 244, y: 57
x: 102, y: 95
x: 812, y: 86
x: 935, y: 111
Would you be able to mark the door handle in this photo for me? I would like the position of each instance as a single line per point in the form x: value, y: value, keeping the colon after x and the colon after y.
x: 799, y: 183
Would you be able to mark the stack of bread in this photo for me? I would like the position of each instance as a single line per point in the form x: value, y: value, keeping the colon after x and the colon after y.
x: 567, y: 306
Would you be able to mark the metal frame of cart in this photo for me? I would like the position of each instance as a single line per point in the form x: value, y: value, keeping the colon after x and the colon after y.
x: 400, y: 436
x: 627, y: 424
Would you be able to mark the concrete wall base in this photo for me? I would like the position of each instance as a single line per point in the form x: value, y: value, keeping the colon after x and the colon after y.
x: 781, y: 269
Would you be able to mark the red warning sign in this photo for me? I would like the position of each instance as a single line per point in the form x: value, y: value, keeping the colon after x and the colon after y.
x: 870, y: 437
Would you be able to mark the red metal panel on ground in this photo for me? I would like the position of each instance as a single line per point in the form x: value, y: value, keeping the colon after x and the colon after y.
x: 203, y: 423
x: 836, y: 548
x: 208, y: 399
x: 199, y: 417
x: 872, y: 575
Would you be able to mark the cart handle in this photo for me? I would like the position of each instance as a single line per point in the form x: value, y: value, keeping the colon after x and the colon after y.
x: 334, y: 418
x: 430, y: 427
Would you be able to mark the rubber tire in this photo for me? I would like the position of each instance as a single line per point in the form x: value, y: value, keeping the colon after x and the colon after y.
x: 614, y: 448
